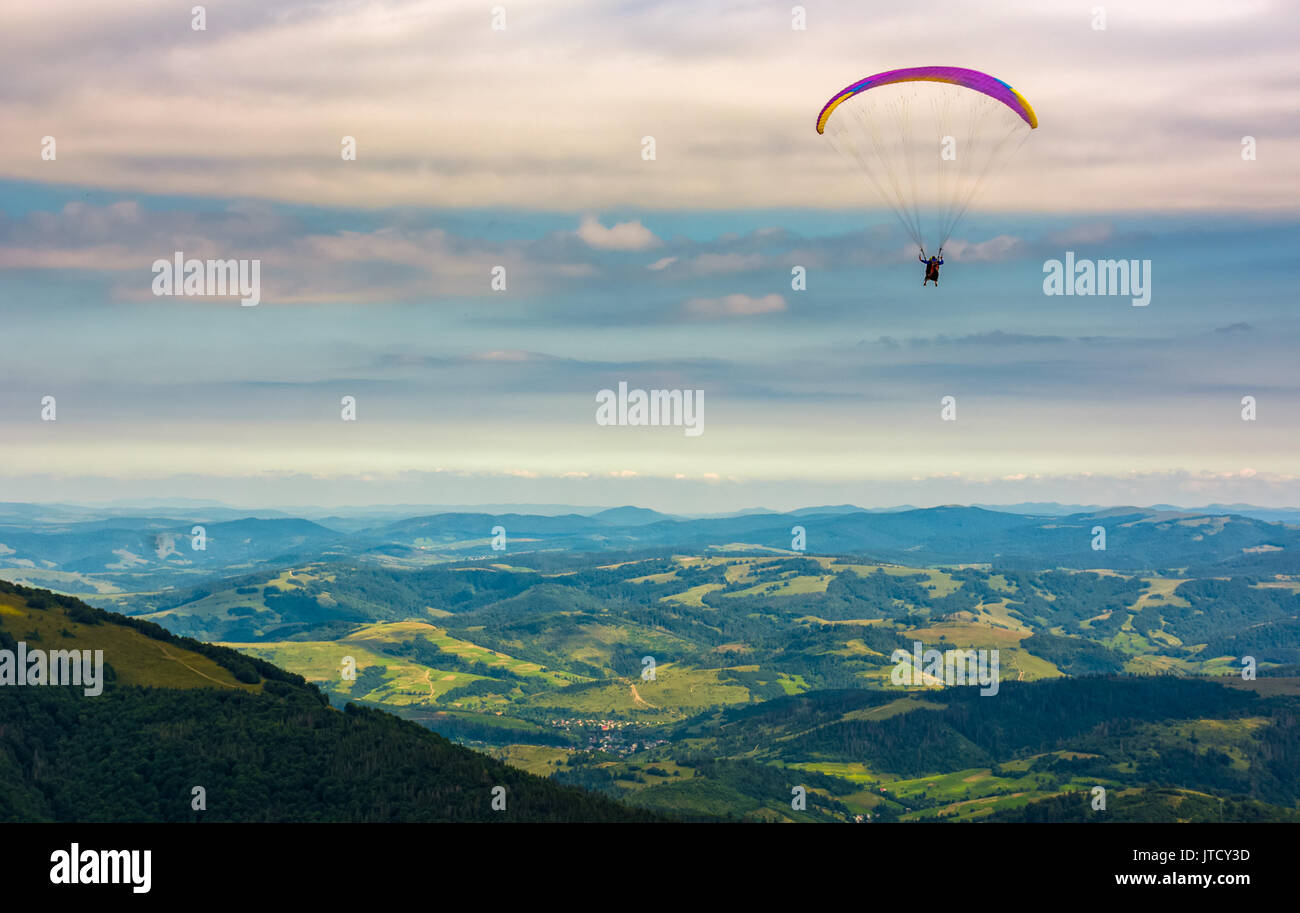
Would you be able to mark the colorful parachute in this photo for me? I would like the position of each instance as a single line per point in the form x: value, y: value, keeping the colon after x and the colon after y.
x: 927, y: 139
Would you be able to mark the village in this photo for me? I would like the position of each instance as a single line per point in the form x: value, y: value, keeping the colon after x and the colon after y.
x: 611, y: 736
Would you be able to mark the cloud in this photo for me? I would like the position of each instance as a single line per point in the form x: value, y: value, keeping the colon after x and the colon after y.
x: 301, y: 264
x: 662, y: 263
x: 736, y: 305
x: 621, y: 236
x: 994, y: 250
x: 548, y: 113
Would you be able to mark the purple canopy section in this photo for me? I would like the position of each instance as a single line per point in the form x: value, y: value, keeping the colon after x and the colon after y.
x: 960, y: 76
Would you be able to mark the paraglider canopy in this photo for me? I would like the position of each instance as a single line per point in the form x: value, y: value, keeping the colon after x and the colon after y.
x: 927, y: 139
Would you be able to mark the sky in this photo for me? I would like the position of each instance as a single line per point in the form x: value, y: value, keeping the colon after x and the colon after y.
x: 522, y: 148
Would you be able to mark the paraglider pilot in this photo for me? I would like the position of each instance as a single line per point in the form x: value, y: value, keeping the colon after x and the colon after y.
x: 931, y: 267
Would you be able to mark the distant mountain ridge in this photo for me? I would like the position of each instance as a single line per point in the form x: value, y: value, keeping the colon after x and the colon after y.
x: 128, y: 546
x: 198, y: 508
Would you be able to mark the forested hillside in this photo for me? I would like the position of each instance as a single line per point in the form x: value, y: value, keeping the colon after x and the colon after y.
x: 262, y: 744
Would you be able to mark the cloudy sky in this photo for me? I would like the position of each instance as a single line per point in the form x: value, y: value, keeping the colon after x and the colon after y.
x: 521, y: 147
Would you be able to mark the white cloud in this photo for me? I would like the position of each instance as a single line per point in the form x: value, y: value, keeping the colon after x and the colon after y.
x: 621, y: 236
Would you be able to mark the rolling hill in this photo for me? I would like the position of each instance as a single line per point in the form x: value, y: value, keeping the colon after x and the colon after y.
x: 700, y: 668
x: 132, y: 553
x: 262, y: 744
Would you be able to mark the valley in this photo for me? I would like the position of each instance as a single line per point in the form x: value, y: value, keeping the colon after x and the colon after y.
x: 709, y: 683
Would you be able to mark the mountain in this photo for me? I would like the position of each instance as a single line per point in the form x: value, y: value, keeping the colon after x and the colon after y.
x: 629, y: 516
x: 1136, y: 538
x: 1290, y: 515
x: 114, y: 556
x: 827, y: 510
x: 1034, y: 753
x: 263, y: 745
x: 135, y: 544
x: 1041, y: 508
